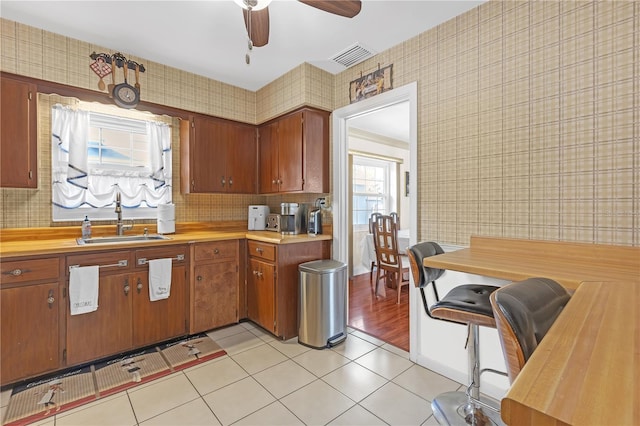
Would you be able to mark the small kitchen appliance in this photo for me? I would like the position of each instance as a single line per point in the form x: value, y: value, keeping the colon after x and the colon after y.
x: 293, y: 218
x: 258, y: 217
x: 273, y: 222
x: 314, y: 224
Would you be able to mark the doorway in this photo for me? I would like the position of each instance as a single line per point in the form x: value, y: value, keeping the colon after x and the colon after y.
x: 342, y: 212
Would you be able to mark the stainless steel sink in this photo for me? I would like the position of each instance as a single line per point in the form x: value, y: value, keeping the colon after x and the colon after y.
x: 120, y: 239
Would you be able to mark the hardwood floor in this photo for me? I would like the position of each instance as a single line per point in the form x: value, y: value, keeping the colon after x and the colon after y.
x: 382, y: 318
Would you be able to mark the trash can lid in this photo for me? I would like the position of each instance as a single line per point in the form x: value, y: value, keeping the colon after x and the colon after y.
x: 324, y: 266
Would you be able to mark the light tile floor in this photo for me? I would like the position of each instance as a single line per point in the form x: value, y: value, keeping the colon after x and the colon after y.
x: 265, y: 381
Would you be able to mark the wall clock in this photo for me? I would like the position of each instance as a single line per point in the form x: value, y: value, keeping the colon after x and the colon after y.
x: 124, y: 94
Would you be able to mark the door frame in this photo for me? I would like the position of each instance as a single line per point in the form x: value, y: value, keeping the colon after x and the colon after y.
x: 340, y: 202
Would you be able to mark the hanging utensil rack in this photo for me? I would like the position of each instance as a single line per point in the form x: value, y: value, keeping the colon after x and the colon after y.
x: 118, y: 59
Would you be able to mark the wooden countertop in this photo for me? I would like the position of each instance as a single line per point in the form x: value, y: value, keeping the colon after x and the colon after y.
x: 565, y: 262
x: 62, y: 240
x: 586, y: 370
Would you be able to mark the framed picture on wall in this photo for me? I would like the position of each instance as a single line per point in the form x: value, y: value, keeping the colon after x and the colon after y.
x: 371, y: 84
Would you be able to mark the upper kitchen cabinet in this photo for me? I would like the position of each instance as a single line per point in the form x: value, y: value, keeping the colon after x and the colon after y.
x: 293, y: 153
x: 18, y: 139
x: 217, y: 156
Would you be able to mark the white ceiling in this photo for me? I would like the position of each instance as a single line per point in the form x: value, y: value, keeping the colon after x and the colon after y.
x: 208, y: 38
x: 391, y: 122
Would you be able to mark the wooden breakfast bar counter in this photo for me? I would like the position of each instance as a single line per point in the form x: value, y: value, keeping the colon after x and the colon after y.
x: 586, y: 371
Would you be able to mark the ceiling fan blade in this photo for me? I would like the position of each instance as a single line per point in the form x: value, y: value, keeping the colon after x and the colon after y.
x: 346, y: 8
x: 259, y: 26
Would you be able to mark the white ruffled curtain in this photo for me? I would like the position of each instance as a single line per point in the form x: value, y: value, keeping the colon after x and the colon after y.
x: 75, y: 184
x: 70, y: 131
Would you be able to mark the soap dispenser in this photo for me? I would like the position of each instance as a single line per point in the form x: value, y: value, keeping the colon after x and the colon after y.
x: 86, y: 228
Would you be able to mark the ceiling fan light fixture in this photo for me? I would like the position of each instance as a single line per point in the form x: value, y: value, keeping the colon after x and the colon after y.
x: 252, y: 4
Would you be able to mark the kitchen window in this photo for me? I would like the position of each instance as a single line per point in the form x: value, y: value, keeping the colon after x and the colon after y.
x: 98, y: 154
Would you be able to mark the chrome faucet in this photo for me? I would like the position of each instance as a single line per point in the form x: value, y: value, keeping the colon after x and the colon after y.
x: 120, y: 227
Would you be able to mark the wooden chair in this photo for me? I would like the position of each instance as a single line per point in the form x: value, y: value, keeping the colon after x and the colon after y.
x: 524, y: 311
x: 388, y: 257
x: 374, y: 263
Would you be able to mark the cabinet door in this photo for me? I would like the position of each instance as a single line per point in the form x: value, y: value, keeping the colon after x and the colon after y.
x: 268, y: 159
x: 105, y: 331
x: 241, y: 160
x: 18, y: 143
x: 29, y: 330
x: 290, y: 153
x: 163, y: 319
x: 208, y: 156
x: 261, y: 293
x: 216, y: 296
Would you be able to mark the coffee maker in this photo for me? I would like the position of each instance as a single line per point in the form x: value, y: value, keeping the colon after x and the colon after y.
x: 293, y: 218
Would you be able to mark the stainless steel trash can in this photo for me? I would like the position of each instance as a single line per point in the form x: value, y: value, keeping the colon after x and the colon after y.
x: 322, y: 313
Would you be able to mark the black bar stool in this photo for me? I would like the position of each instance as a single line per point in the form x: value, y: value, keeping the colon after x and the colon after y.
x: 524, y: 312
x: 466, y: 304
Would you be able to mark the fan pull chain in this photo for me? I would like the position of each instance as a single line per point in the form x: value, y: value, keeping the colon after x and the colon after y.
x: 247, y: 57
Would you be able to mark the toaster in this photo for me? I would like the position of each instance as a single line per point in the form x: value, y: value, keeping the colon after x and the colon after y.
x: 273, y: 222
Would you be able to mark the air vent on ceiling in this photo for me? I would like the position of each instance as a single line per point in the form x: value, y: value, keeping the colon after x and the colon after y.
x: 353, y: 55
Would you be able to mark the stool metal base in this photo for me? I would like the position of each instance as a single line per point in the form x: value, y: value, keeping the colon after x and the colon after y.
x: 452, y: 408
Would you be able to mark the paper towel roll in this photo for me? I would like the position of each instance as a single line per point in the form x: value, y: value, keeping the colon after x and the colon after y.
x: 166, y: 218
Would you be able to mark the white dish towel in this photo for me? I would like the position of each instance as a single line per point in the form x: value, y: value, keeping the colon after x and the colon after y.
x: 83, y: 289
x: 159, y: 279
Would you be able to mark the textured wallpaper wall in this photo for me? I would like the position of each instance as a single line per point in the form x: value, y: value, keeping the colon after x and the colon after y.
x: 528, y: 117
x: 40, y: 54
x: 529, y: 121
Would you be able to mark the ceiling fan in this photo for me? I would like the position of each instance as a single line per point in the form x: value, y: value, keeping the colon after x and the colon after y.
x: 256, y: 16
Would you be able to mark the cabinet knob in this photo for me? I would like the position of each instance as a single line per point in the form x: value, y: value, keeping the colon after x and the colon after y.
x: 16, y: 272
x: 199, y: 278
x: 230, y: 181
x: 259, y: 250
x: 216, y: 251
x: 50, y: 299
x: 126, y: 287
x: 139, y: 285
x: 222, y: 181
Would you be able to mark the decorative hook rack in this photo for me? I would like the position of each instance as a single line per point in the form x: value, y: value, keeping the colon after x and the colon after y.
x: 119, y: 59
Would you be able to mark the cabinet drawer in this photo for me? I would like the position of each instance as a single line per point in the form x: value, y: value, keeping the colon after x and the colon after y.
x: 262, y: 250
x: 216, y: 250
x: 30, y: 270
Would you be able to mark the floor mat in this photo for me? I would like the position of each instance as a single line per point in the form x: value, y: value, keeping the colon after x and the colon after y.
x: 45, y: 397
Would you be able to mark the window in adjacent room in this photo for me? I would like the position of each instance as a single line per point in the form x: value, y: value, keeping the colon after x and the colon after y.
x: 374, y: 188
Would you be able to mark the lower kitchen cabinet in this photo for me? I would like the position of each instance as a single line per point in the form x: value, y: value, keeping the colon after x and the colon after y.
x: 163, y: 319
x: 126, y: 318
x: 107, y: 330
x: 261, y: 289
x: 32, y: 312
x: 214, y: 285
x: 272, y: 282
